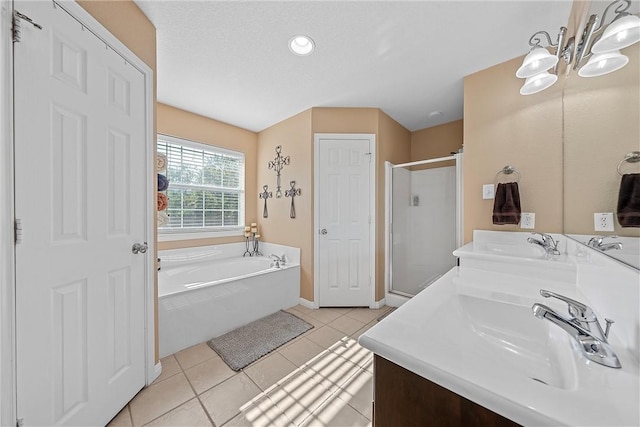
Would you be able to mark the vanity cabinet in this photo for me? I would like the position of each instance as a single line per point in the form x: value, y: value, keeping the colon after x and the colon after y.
x: 402, y: 398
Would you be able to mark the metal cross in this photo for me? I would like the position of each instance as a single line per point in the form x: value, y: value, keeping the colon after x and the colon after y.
x: 292, y: 192
x: 277, y: 164
x: 266, y: 194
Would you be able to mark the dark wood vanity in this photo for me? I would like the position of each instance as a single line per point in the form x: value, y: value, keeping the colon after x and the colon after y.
x: 404, y: 399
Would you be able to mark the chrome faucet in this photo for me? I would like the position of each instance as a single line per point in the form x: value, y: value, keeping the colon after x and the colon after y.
x: 596, y: 243
x: 547, y: 243
x: 277, y: 260
x: 583, y: 326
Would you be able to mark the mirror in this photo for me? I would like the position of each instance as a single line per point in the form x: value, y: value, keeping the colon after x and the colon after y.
x: 601, y: 126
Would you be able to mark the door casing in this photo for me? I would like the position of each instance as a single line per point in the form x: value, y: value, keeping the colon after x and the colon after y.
x: 318, y: 138
x: 8, y: 397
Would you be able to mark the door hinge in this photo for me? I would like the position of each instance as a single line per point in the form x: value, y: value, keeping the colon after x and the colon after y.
x: 17, y: 231
x: 16, y: 26
x: 19, y: 422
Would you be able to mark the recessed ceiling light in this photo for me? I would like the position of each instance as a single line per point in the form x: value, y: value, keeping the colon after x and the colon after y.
x: 301, y: 45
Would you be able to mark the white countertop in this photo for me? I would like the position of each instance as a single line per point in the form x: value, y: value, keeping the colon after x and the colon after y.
x: 473, y: 332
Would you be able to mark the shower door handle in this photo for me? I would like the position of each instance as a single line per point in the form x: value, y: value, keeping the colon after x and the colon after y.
x: 323, y: 231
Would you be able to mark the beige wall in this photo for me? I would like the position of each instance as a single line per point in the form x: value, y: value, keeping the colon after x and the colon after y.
x: 393, y: 145
x: 502, y: 127
x: 601, y: 125
x: 296, y: 135
x: 437, y: 141
x: 127, y: 22
x: 296, y: 139
x: 183, y: 124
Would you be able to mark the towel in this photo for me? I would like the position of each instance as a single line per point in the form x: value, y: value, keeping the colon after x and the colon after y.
x: 506, y: 205
x: 629, y: 200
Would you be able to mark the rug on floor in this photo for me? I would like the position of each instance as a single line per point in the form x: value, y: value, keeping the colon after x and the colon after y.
x: 250, y: 342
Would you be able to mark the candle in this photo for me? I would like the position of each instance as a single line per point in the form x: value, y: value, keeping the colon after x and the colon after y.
x: 247, y: 234
x: 247, y: 228
x: 257, y: 236
x: 253, y: 224
x: 254, y: 229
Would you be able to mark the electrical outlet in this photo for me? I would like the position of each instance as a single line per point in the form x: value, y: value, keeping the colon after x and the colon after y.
x: 603, y: 221
x: 528, y: 220
x: 488, y: 191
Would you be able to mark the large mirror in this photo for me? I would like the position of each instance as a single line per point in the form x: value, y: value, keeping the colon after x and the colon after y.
x: 601, y: 127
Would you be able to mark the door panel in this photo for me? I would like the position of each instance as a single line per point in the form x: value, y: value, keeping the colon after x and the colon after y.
x: 80, y: 192
x: 344, y: 203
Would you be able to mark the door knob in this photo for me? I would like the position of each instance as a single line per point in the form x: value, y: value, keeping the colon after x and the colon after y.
x: 139, y: 248
x: 323, y: 231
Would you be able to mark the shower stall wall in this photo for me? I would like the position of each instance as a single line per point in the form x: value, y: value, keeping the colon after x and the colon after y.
x: 424, y: 223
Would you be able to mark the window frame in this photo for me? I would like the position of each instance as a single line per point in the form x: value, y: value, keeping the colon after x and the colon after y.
x: 174, y: 234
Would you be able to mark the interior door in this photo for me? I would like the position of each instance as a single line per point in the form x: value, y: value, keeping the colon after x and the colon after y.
x: 344, y: 222
x: 80, y: 193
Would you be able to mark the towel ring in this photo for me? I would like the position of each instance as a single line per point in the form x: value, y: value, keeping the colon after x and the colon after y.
x: 632, y: 157
x: 507, y: 170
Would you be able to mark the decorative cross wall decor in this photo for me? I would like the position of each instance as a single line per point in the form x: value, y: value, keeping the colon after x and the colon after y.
x: 266, y: 194
x: 277, y: 164
x: 292, y: 192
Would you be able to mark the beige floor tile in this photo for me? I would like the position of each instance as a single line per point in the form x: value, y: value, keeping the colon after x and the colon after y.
x: 336, y: 412
x: 170, y: 367
x: 332, y: 371
x: 188, y: 414
x: 208, y: 374
x: 346, y: 324
x: 123, y: 419
x: 159, y: 399
x: 325, y: 336
x: 366, y: 315
x: 353, y: 352
x: 269, y: 370
x: 260, y: 412
x: 299, y: 396
x: 325, y: 315
x: 301, y: 351
x: 364, y: 329
x: 302, y: 309
x: 358, y: 393
x: 315, y: 322
x: 192, y: 356
x: 224, y: 401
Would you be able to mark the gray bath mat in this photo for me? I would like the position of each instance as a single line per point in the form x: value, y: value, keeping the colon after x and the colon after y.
x: 250, y: 342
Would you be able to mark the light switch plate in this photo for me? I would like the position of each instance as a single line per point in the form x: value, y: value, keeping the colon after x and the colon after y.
x: 488, y: 191
x: 528, y: 220
x: 603, y: 221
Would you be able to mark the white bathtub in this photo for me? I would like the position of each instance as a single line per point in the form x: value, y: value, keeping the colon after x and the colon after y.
x: 206, y: 292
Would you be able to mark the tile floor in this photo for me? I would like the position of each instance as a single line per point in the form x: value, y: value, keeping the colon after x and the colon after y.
x: 322, y: 378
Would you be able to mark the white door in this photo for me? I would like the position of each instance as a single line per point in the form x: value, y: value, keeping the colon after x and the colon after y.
x: 344, y: 216
x: 80, y: 194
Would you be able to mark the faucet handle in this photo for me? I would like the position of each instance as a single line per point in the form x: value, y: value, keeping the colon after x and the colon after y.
x: 577, y: 309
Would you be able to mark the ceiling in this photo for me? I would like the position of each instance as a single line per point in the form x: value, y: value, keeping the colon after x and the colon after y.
x: 229, y: 60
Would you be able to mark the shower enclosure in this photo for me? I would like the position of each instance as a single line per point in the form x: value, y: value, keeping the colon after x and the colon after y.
x: 424, y: 223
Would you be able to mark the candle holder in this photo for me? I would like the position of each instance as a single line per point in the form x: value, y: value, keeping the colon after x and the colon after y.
x: 256, y: 245
x: 247, y: 246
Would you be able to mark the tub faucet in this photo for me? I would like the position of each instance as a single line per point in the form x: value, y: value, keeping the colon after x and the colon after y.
x: 583, y: 326
x: 277, y: 260
x: 596, y: 243
x: 547, y: 243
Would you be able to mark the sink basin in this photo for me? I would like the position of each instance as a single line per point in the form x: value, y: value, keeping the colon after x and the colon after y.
x: 507, y: 335
x: 512, y: 250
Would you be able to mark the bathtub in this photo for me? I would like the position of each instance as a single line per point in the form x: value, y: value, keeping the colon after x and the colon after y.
x: 208, y: 291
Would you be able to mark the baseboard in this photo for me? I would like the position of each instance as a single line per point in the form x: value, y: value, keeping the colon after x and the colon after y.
x: 395, y: 300
x: 155, y: 373
x: 378, y: 304
x: 306, y: 303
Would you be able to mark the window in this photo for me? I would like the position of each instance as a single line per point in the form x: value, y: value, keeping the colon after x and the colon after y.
x: 206, y: 186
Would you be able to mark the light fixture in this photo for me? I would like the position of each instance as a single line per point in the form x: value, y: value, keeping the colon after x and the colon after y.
x: 623, y: 31
x: 301, y: 45
x: 538, y: 83
x: 603, y: 63
x: 539, y: 60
